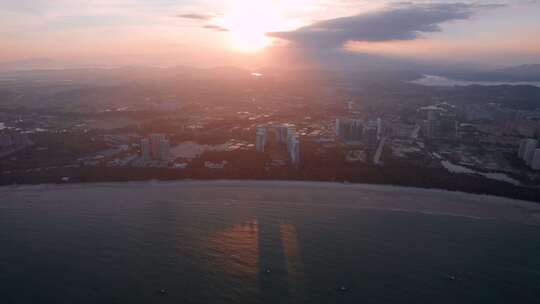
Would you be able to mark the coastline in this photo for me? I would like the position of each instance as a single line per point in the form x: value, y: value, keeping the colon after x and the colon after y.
x: 299, y: 194
x: 246, y: 182
x: 518, y: 193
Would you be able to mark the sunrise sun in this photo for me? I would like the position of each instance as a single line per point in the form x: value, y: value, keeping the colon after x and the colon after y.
x: 248, y: 21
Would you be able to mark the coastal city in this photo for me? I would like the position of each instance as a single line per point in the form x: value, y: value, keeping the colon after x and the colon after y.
x: 269, y: 151
x: 336, y: 137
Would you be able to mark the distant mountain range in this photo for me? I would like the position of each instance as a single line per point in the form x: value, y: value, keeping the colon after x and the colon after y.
x: 368, y: 66
x: 42, y: 64
x: 528, y: 71
x: 34, y: 64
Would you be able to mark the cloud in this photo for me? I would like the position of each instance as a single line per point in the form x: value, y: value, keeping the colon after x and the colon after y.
x: 196, y: 16
x: 402, y: 21
x: 216, y: 28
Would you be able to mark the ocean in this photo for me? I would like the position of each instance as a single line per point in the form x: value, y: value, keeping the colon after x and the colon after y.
x: 441, y: 81
x: 264, y: 242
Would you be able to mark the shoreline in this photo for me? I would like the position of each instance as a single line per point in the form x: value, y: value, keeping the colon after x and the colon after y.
x: 236, y: 183
x: 400, y: 176
x: 295, y: 194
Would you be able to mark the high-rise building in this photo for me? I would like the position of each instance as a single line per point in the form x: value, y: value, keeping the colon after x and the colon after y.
x: 535, y: 164
x: 341, y: 127
x: 5, y: 140
x: 349, y: 129
x: 438, y: 122
x: 529, y: 152
x: 164, y: 149
x: 289, y: 137
x: 293, y: 146
x: 468, y: 133
x: 379, y: 128
x: 145, y: 149
x: 155, y: 148
x: 356, y: 130
x: 522, y: 146
x: 155, y: 145
x: 294, y: 151
x: 285, y: 135
x: 291, y: 134
x: 20, y: 139
x: 14, y: 140
x: 281, y: 133
x: 260, y: 142
x: 530, y: 147
x: 370, y: 138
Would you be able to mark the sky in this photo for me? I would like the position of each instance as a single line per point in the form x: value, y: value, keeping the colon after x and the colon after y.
x: 252, y: 33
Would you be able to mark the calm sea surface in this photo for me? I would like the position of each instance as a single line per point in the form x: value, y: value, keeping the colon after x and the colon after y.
x: 250, y: 242
x: 433, y: 80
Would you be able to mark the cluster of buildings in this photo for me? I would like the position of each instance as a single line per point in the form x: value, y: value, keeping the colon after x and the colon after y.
x: 349, y: 129
x: 508, y: 122
x: 529, y: 151
x: 13, y: 141
x: 284, y: 135
x: 441, y: 122
x: 356, y: 130
x: 468, y: 133
x: 156, y: 147
x: 488, y: 112
x: 438, y: 121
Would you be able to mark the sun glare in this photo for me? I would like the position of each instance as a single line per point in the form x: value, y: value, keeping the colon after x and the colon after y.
x: 248, y: 22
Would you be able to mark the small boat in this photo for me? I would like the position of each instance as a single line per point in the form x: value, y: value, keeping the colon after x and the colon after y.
x: 343, y: 288
x: 163, y: 291
x: 267, y: 270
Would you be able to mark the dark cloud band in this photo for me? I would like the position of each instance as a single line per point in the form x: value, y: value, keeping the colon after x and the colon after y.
x: 403, y: 21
